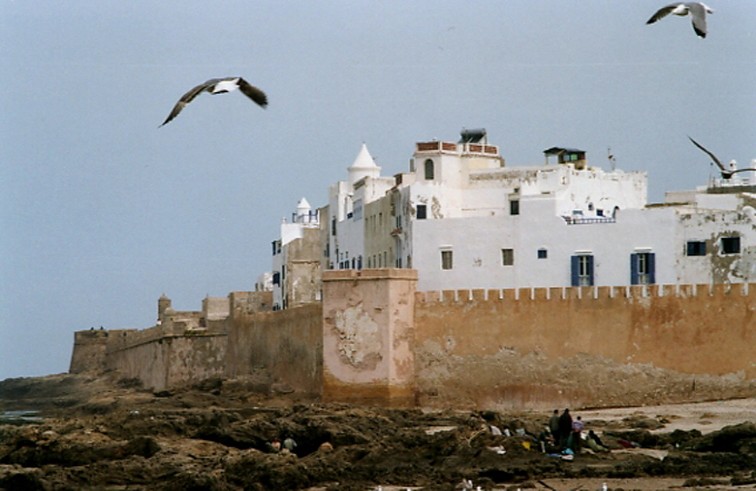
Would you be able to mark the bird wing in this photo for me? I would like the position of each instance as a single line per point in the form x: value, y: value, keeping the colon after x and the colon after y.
x: 743, y: 170
x: 662, y: 12
x: 698, y: 18
x: 189, y: 97
x: 253, y: 92
x: 713, y: 157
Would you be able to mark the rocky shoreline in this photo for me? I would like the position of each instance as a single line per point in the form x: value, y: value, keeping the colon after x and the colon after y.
x: 88, y: 432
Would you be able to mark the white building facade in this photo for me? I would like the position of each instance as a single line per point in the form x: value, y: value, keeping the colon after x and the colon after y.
x: 465, y: 220
x: 292, y: 251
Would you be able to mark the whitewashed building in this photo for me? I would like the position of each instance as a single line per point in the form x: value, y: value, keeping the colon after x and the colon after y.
x: 295, y: 277
x: 465, y: 220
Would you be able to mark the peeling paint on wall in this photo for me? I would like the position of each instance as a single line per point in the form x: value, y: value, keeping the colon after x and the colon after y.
x: 359, y: 341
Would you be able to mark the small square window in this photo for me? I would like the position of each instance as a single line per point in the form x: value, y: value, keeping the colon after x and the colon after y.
x: 507, y: 257
x: 514, y: 207
x: 543, y: 253
x: 422, y: 212
x: 695, y: 248
x: 730, y: 245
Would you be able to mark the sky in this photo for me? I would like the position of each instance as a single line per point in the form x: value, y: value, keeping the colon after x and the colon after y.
x: 101, y: 211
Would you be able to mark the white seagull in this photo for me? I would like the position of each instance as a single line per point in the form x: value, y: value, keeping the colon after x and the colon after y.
x: 219, y: 86
x: 726, y: 173
x: 696, y: 10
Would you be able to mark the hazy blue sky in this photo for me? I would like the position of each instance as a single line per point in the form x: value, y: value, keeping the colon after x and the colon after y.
x: 101, y: 211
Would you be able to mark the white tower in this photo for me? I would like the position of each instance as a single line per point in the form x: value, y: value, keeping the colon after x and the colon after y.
x: 363, y: 166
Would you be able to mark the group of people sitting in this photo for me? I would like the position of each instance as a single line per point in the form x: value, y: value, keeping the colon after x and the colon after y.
x: 563, y: 433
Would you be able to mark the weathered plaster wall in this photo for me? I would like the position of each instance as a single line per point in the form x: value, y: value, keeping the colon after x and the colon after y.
x: 375, y: 340
x: 302, y: 262
x: 170, y: 361
x: 595, y: 347
x: 286, y: 343
x: 368, y: 334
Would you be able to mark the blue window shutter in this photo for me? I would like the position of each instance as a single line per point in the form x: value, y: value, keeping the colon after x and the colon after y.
x: 575, y: 269
x: 651, y: 268
x: 590, y: 270
x: 633, y: 269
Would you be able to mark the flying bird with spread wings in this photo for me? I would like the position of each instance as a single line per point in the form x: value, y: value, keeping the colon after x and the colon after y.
x: 219, y: 86
x: 725, y: 172
x: 696, y: 10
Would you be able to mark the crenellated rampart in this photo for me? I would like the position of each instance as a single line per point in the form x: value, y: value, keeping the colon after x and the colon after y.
x: 375, y: 339
x: 636, y: 292
x: 585, y: 346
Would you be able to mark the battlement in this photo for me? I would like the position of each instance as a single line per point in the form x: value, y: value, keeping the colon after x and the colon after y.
x: 375, y: 339
x: 630, y: 293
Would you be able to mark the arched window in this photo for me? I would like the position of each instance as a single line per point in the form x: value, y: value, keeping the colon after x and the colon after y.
x: 429, y: 169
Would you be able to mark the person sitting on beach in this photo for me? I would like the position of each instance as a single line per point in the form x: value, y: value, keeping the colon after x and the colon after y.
x: 594, y: 442
x: 546, y: 441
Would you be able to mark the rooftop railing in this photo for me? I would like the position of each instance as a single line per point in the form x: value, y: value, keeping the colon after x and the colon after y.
x: 588, y: 220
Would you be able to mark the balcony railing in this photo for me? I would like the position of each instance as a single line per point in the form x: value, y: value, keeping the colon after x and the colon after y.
x: 436, y: 146
x: 588, y: 220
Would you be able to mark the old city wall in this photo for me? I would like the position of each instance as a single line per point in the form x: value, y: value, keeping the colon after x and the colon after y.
x: 90, y: 349
x: 287, y: 345
x: 164, y: 360
x: 374, y: 339
x: 585, y: 347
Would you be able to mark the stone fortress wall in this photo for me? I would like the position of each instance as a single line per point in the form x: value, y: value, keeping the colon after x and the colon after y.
x: 374, y: 340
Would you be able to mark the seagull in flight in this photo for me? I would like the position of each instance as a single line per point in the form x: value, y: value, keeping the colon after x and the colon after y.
x: 219, y: 86
x: 696, y: 10
x: 726, y: 173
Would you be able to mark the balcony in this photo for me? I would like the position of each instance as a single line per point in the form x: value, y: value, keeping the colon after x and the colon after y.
x: 578, y: 220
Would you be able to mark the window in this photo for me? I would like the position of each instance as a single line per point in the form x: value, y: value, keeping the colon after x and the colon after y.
x: 276, y: 278
x: 422, y: 212
x: 333, y: 226
x: 357, y: 210
x: 446, y: 259
x: 543, y: 253
x: 429, y: 174
x: 582, y: 270
x: 642, y: 266
x: 695, y: 248
x: 514, y: 207
x: 507, y: 257
x: 730, y: 245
